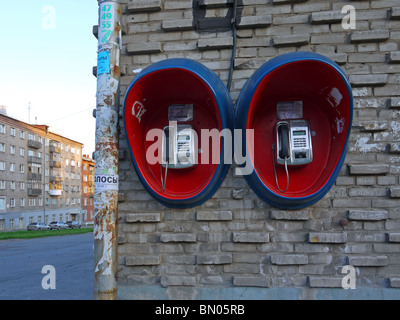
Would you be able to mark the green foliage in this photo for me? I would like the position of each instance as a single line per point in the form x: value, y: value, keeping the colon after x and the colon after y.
x: 40, y: 234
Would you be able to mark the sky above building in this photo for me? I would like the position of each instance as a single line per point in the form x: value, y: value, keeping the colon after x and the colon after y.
x: 46, y: 60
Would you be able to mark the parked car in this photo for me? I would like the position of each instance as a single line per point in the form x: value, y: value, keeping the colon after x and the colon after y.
x: 58, y: 225
x: 73, y: 224
x: 36, y: 226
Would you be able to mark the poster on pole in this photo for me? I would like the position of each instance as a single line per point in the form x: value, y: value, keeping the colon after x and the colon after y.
x: 106, y: 182
x: 107, y: 23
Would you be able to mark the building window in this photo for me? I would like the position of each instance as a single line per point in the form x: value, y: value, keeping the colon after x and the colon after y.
x: 2, y: 203
x: 2, y: 128
x: 22, y: 168
x: 12, y: 167
x: 12, y: 202
x: 22, y: 134
x: 2, y: 165
x: 12, y: 185
x: 22, y: 186
x: 2, y: 184
x: 12, y: 149
x: 2, y: 147
x: 12, y: 132
x: 22, y: 152
x: 22, y: 202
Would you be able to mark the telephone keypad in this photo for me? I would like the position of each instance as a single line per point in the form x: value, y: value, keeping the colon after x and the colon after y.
x: 300, y: 142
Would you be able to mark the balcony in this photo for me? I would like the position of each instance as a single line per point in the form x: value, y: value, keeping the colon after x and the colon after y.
x: 35, y: 177
x: 56, y: 178
x: 34, y: 144
x: 55, y: 193
x: 32, y: 159
x: 34, y: 192
x: 54, y: 149
x: 55, y: 164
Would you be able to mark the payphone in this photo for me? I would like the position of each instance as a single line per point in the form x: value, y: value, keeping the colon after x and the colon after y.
x: 178, y: 144
x: 293, y: 139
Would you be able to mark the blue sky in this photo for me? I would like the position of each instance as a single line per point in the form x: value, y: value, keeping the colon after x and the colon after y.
x: 47, y: 53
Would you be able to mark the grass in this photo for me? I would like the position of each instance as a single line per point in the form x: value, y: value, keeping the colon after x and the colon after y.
x: 40, y: 234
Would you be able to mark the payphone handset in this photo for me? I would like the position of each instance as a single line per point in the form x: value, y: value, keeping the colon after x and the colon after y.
x: 178, y: 147
x: 294, y: 145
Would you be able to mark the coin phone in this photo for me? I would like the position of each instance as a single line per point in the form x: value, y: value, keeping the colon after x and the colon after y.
x: 178, y: 144
x: 293, y: 138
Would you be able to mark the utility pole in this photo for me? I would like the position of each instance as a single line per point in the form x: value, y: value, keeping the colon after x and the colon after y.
x: 29, y: 113
x: 107, y: 163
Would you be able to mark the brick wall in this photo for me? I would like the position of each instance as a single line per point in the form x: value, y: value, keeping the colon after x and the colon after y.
x: 235, y: 243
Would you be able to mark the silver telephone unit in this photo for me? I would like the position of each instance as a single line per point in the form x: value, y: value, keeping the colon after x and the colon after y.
x: 293, y: 138
x: 178, y: 147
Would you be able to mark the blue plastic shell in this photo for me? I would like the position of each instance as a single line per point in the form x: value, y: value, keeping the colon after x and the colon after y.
x: 226, y: 115
x: 242, y: 109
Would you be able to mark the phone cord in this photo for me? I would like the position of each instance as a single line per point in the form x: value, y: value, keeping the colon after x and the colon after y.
x: 164, y: 181
x: 276, y: 175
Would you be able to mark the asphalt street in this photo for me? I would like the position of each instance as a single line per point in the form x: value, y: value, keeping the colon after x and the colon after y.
x: 22, y: 261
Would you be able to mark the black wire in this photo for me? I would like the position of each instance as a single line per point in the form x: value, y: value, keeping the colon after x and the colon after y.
x: 234, y: 31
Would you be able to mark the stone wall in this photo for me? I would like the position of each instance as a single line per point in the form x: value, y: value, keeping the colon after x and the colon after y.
x: 235, y: 245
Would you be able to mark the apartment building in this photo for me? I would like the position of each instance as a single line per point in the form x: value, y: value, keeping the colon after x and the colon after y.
x: 40, y: 175
x: 87, y: 189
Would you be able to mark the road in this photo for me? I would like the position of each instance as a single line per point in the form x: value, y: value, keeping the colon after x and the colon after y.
x: 21, y: 263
